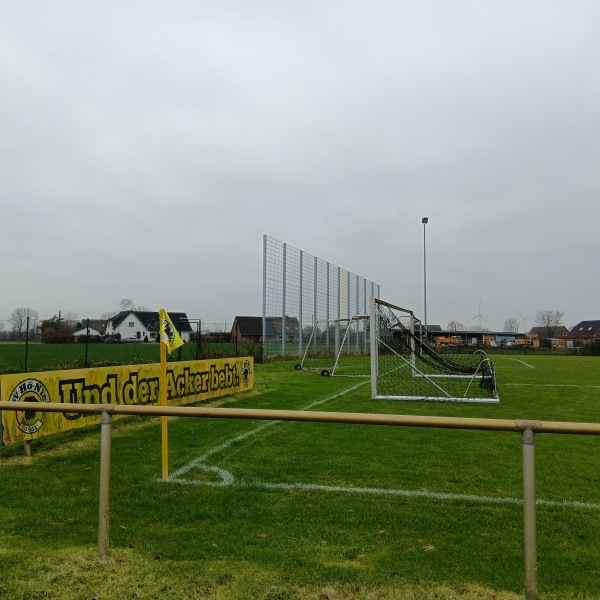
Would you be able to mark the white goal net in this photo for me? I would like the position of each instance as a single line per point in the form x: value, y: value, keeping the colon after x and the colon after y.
x: 405, y: 367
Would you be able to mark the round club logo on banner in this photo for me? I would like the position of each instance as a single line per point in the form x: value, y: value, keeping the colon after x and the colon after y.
x: 30, y: 390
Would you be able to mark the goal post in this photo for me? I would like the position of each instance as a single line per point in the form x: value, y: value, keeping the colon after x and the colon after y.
x: 405, y: 367
x: 338, y: 347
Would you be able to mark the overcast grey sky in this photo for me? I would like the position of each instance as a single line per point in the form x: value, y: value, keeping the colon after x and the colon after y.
x: 146, y: 147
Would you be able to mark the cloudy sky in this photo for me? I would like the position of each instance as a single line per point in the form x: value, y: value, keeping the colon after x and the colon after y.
x: 146, y: 147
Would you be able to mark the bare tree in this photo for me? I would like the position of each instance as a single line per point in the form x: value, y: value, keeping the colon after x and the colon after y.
x: 19, y: 320
x: 129, y: 304
x: 511, y: 324
x: 549, y: 321
x: 456, y: 326
x: 126, y: 304
x: 69, y: 321
x: 307, y: 331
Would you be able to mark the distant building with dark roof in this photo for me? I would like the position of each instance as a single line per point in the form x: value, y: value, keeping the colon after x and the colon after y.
x: 96, y: 327
x: 555, y: 333
x: 247, y: 330
x: 274, y: 326
x: 250, y: 329
x: 585, y: 331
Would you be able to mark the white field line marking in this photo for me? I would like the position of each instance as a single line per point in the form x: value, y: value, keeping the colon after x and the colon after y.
x: 402, y: 493
x: 522, y: 362
x: 418, y: 494
x: 559, y: 385
x: 226, y: 478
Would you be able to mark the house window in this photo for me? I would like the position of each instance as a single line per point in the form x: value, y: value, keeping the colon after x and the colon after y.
x: 131, y: 324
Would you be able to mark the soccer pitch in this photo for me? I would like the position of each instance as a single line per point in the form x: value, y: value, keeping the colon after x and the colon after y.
x: 302, y: 508
x: 371, y: 457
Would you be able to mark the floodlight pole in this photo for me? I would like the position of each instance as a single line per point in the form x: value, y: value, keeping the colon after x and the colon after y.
x: 425, y: 220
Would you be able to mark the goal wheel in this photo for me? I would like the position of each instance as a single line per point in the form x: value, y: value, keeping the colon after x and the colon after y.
x: 325, y: 373
x: 298, y: 367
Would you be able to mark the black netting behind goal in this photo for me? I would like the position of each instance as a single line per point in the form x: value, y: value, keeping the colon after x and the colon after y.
x: 406, y: 367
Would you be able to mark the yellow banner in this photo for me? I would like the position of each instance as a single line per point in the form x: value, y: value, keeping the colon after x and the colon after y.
x: 187, y: 382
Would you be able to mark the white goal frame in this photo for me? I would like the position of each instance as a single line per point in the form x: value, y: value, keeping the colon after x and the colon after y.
x: 419, y: 362
x: 341, y: 345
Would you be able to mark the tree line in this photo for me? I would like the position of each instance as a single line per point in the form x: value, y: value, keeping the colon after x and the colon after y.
x: 24, y: 323
x: 547, y: 322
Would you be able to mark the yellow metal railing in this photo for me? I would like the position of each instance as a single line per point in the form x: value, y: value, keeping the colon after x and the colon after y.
x: 527, y: 429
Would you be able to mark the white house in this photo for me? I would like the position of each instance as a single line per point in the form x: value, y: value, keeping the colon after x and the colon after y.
x: 84, y: 331
x: 139, y: 325
x: 96, y: 328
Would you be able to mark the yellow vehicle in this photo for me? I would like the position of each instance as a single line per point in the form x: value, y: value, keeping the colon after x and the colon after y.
x: 451, y: 339
x: 529, y: 340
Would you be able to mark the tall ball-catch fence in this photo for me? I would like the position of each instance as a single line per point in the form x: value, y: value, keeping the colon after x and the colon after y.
x: 300, y: 293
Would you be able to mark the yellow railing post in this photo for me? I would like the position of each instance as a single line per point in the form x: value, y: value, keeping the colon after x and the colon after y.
x: 529, y: 524
x: 104, y: 502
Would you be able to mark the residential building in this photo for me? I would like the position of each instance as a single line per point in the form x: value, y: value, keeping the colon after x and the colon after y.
x: 97, y: 327
x: 274, y: 326
x: 141, y: 325
x: 247, y: 330
x: 585, y: 331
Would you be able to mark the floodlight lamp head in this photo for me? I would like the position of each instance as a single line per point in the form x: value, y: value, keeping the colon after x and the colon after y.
x: 425, y: 220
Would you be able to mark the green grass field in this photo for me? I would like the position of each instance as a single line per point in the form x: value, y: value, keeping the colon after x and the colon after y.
x: 281, y: 510
x: 16, y: 358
